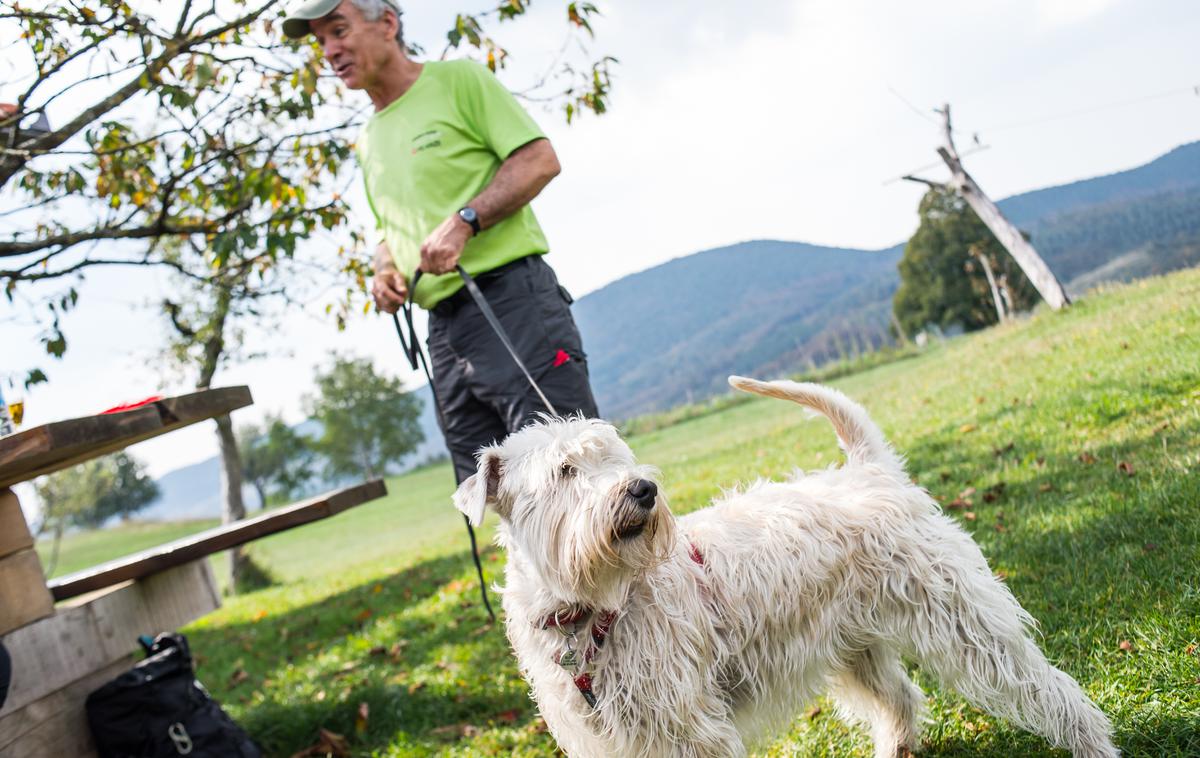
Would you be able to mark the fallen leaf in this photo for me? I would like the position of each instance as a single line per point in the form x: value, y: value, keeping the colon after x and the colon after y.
x: 509, y: 717
x: 1087, y: 458
x: 415, y: 686
x: 967, y: 428
x: 1001, y: 575
x: 1126, y: 645
x: 1126, y: 468
x: 238, y: 676
x: 1190, y: 649
x: 989, y: 497
x: 455, y: 731
x: 814, y: 712
x: 377, y: 589
x: 999, y: 451
x: 967, y: 493
x: 999, y: 527
x: 259, y: 615
x: 959, y: 502
x: 1040, y: 462
x: 945, y: 476
x: 1045, y: 487
x: 360, y: 721
x: 969, y: 515
x: 363, y: 615
x: 377, y: 651
x: 328, y: 745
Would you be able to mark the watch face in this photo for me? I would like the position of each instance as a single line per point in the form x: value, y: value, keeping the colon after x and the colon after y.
x: 468, y: 215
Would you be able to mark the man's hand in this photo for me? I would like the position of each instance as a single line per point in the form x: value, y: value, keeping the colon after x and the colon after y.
x: 389, y: 287
x: 389, y: 290
x: 442, y: 249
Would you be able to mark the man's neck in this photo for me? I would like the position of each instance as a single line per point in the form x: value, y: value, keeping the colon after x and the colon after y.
x: 395, y: 80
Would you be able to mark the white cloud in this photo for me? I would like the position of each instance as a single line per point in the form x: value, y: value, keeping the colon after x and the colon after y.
x: 1053, y: 14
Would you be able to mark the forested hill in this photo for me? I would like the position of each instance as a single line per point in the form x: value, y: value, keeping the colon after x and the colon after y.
x: 1177, y: 170
x: 673, y: 332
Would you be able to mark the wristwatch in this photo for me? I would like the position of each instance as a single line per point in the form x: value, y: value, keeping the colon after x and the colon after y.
x: 469, y: 215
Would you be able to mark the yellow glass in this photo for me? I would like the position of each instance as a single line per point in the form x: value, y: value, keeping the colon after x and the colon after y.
x: 17, y: 412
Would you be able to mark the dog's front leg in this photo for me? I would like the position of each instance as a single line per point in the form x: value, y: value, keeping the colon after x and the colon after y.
x: 689, y: 724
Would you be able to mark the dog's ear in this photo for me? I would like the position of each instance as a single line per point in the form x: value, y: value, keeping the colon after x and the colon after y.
x: 480, y: 489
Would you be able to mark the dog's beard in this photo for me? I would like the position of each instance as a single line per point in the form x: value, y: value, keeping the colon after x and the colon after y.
x: 631, y: 520
x: 608, y: 549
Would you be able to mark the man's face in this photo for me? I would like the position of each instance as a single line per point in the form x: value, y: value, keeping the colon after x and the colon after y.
x: 355, y: 48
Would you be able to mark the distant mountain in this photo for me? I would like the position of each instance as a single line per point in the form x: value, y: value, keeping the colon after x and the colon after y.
x: 1178, y: 169
x: 194, y: 492
x: 673, y: 332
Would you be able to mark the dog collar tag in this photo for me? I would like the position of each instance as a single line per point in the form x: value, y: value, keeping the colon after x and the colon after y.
x: 569, y: 659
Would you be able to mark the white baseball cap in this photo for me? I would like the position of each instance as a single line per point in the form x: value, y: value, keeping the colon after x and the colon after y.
x: 296, y: 25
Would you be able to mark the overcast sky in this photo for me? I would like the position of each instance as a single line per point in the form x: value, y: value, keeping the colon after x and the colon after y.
x: 728, y: 122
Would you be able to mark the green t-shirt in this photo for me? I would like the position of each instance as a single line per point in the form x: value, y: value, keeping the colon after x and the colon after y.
x: 429, y: 153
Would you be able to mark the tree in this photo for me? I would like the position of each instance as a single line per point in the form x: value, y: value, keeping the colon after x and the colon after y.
x: 942, y: 279
x: 135, y: 123
x: 275, y: 459
x: 368, y: 420
x: 88, y: 495
x: 205, y: 336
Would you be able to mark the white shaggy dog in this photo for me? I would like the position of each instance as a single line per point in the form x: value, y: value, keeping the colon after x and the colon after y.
x: 643, y: 635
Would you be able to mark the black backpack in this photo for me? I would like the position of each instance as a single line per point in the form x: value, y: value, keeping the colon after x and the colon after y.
x: 157, y: 709
x: 5, y: 673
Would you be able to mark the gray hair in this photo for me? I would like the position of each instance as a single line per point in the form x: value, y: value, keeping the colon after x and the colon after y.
x: 372, y: 10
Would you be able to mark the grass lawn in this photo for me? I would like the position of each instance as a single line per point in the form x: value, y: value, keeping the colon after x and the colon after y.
x: 1074, y: 436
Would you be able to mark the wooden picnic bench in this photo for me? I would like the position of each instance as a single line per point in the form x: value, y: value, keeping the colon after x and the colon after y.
x: 62, y: 653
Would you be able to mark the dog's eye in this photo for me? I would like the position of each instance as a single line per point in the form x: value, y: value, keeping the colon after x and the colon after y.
x: 568, y: 470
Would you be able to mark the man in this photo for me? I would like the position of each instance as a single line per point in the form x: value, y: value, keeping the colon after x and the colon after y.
x: 451, y: 162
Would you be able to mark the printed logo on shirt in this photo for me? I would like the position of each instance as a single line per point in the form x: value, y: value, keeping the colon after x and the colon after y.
x: 426, y: 140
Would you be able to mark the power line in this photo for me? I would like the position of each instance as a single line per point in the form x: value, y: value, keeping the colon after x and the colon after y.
x: 911, y: 107
x: 1194, y: 89
x: 939, y: 164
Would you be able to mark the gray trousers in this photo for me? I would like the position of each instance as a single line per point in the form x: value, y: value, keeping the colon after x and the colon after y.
x: 482, y: 393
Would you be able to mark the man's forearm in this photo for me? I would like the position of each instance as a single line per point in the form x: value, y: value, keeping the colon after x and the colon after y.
x: 383, y: 259
x: 518, y: 181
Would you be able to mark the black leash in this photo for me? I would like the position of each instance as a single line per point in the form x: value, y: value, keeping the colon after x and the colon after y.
x: 416, y: 357
x: 481, y: 301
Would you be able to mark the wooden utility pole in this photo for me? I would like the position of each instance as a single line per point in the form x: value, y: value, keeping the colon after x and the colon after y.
x: 1010, y: 236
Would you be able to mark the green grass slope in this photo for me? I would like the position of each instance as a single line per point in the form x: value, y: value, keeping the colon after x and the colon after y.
x: 1069, y: 441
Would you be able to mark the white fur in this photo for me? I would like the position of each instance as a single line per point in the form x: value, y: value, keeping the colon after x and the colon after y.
x: 816, y: 584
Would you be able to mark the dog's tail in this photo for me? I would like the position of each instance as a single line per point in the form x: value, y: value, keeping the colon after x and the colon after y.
x: 859, y: 437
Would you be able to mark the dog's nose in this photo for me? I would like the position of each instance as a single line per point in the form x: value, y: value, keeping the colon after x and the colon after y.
x: 643, y: 492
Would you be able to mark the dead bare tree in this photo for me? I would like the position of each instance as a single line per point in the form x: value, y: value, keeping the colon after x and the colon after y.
x: 1040, y: 275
